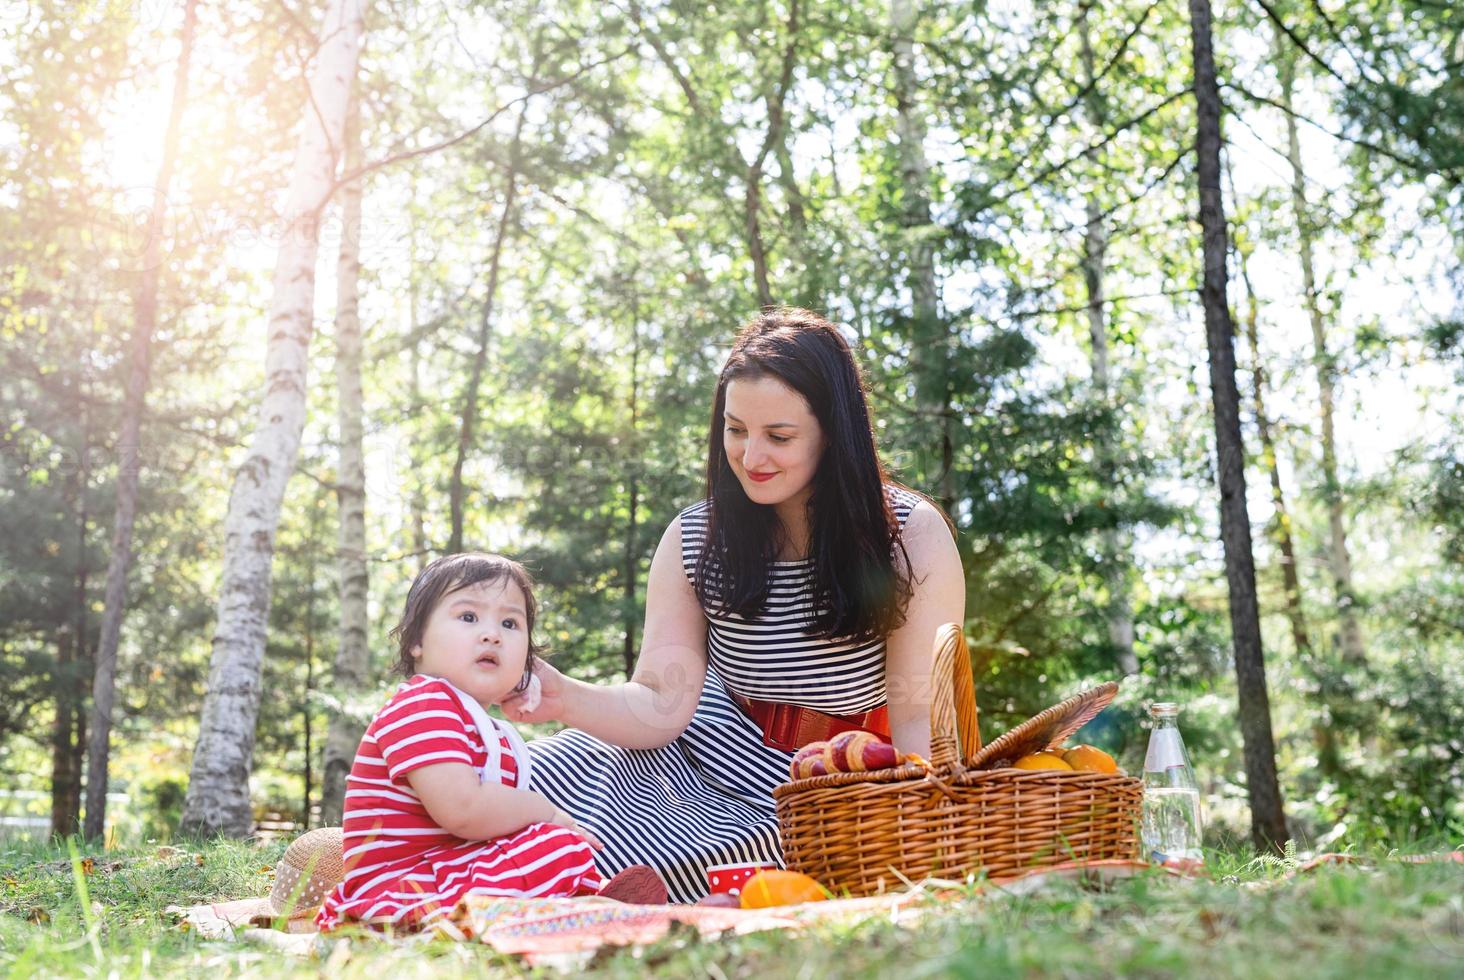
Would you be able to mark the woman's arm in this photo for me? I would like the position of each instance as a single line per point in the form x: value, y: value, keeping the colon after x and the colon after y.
x: 466, y: 808
x: 656, y: 704
x: 939, y: 597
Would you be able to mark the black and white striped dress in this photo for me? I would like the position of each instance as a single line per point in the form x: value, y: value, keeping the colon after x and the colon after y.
x: 706, y: 798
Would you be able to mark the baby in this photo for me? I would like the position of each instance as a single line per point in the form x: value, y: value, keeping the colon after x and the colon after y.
x: 438, y: 803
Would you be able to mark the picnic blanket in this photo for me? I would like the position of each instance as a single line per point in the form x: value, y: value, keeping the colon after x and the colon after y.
x: 567, y: 931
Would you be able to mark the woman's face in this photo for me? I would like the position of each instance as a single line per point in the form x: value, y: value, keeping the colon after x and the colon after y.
x: 772, y: 440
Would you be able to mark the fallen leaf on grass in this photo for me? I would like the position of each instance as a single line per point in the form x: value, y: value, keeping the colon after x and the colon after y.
x: 38, y: 916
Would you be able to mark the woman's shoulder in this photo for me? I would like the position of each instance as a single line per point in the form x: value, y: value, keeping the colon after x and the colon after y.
x: 695, y: 514
x: 691, y: 524
x: 690, y: 527
x: 904, y: 501
x: 924, y: 527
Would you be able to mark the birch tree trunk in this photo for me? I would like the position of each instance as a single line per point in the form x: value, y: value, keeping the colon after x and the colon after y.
x: 1268, y: 821
x: 351, y: 670
x: 145, y: 318
x: 218, y: 787
x: 1119, y: 611
x: 930, y: 353
x: 1326, y: 367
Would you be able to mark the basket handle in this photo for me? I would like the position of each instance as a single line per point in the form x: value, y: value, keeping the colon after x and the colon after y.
x: 953, y: 712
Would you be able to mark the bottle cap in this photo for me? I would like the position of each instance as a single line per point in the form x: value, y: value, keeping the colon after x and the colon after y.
x: 1163, y: 709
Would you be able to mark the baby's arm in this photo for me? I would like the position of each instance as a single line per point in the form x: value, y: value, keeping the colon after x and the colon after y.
x: 466, y: 808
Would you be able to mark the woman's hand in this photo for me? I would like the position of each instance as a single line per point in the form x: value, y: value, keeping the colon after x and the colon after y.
x: 549, y: 705
x: 657, y: 703
x: 568, y: 822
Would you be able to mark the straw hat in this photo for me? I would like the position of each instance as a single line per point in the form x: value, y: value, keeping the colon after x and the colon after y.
x: 309, y: 871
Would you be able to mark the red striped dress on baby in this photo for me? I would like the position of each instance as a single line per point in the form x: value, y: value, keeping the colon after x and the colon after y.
x: 401, y: 868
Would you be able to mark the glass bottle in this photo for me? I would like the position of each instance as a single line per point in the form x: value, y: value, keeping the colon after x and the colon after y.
x: 1171, y: 823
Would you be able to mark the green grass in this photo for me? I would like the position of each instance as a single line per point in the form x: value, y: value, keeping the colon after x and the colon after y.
x: 1393, y: 921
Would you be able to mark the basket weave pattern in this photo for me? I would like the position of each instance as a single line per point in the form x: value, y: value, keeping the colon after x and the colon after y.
x: 868, y: 832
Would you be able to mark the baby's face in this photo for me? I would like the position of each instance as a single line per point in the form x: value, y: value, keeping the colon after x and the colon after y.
x: 477, y: 639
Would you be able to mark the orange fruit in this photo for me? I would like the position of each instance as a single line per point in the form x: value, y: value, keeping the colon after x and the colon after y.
x: 1042, y: 760
x: 1087, y: 758
x: 771, y: 887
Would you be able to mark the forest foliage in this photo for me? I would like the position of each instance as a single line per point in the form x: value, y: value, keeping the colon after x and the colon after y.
x: 568, y: 209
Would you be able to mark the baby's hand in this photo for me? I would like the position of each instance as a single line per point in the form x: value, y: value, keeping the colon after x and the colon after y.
x: 568, y: 822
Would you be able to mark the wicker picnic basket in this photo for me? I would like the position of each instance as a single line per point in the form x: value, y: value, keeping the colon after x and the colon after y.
x: 863, y: 833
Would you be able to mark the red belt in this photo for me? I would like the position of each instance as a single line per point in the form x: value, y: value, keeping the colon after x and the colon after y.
x: 790, y: 727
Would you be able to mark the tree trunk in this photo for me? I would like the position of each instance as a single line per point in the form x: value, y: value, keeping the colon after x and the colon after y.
x: 775, y: 137
x: 1329, y: 759
x: 64, y: 777
x: 1326, y: 367
x: 751, y: 204
x: 469, y: 421
x: 1281, y: 529
x: 930, y: 352
x: 145, y: 315
x: 797, y: 209
x: 1114, y: 557
x: 313, y: 548
x: 68, y: 725
x: 417, y: 503
x: 351, y: 670
x: 218, y: 787
x: 630, y: 560
x: 1268, y: 821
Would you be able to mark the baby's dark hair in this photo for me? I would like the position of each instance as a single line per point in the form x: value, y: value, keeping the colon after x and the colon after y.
x: 452, y: 573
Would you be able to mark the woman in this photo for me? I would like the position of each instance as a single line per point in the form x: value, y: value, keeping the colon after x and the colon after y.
x: 801, y: 598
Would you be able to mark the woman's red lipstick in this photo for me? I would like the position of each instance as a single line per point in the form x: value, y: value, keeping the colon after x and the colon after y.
x: 761, y: 477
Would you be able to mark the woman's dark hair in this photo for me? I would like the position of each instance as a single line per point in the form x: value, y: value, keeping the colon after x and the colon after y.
x: 861, y: 572
x: 453, y: 573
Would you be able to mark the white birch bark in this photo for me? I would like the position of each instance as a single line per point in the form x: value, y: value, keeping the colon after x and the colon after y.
x: 218, y: 787
x: 353, y: 656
